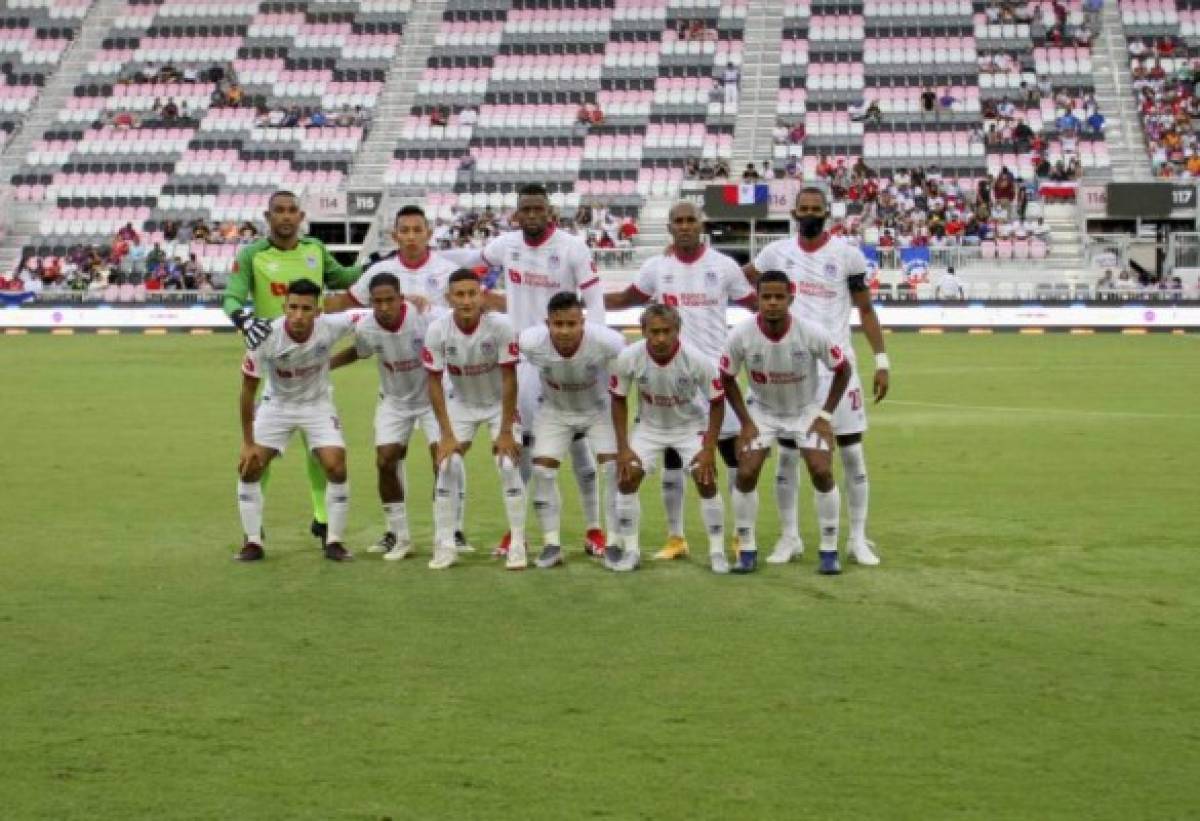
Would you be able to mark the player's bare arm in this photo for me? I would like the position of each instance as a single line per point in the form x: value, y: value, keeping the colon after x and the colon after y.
x: 506, y: 444
x: 628, y: 467
x: 495, y: 301
x: 704, y: 466
x: 250, y: 460
x: 733, y: 395
x: 342, y: 358
x: 447, y: 445
x: 869, y: 320
x: 822, y: 425
x: 751, y: 274
x: 629, y: 298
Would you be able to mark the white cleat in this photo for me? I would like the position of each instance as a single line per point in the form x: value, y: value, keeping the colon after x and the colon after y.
x: 516, y: 558
x: 719, y: 563
x: 786, y: 549
x: 629, y: 561
x: 385, y: 544
x: 400, y: 550
x: 444, y: 556
x: 862, y: 552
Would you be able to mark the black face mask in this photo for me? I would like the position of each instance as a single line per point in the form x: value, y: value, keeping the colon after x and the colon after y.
x: 810, y: 226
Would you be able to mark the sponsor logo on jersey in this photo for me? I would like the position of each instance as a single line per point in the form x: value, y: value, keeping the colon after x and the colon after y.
x: 514, y: 276
x: 671, y: 300
x: 514, y: 349
x: 758, y: 377
x: 427, y: 356
x: 278, y: 289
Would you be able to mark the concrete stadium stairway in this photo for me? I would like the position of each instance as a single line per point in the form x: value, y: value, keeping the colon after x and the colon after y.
x: 760, y: 84
x: 1114, y: 95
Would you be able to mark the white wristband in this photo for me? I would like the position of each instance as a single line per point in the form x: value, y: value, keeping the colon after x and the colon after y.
x: 881, y: 362
x: 824, y: 414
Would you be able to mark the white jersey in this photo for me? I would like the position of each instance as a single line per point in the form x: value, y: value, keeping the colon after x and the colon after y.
x: 534, y: 273
x: 820, y: 281
x: 575, y: 385
x: 700, y: 290
x: 402, y: 377
x: 782, y: 371
x: 429, y: 279
x: 673, y: 395
x: 297, y: 372
x: 471, y: 358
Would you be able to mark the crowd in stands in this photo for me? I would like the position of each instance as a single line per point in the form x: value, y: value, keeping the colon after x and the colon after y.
x: 1166, y: 89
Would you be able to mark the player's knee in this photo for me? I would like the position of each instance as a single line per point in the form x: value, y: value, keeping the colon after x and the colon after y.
x: 336, y: 473
x: 822, y: 478
x: 386, y: 461
x: 250, y: 473
x: 706, y: 490
x: 631, y: 483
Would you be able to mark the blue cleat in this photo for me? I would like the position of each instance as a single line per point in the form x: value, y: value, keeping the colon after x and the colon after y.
x: 747, y: 562
x: 830, y: 566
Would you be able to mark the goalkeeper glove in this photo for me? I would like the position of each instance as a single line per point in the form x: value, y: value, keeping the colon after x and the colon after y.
x: 254, y: 330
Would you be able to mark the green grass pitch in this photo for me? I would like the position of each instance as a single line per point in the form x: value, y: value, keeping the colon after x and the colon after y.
x: 1030, y: 648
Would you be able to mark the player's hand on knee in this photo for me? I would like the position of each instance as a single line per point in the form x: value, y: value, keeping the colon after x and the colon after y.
x: 249, y: 462
x: 628, y: 466
x: 446, y: 447
x: 506, y: 447
x: 824, y: 431
x: 746, y: 438
x: 704, y: 467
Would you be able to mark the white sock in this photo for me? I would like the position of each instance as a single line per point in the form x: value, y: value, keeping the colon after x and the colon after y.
x: 250, y: 509
x: 396, y: 514
x: 672, y: 497
x: 629, y: 517
x: 444, y: 493
x: 547, y: 503
x: 712, y: 511
x: 745, y: 513
x: 786, y: 491
x: 829, y: 509
x: 584, y: 465
x: 514, y: 498
x: 858, y: 489
x: 337, y: 503
x: 460, y: 497
x: 609, y: 469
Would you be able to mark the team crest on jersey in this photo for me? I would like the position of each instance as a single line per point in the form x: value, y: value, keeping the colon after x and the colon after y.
x: 799, y: 353
x: 668, y: 277
x: 756, y: 358
x: 417, y: 344
x: 553, y: 262
x: 451, y: 350
x: 684, y: 383
x: 710, y: 277
x: 487, y: 347
x: 830, y: 271
x: 431, y: 283
x: 591, y: 369
x: 311, y: 262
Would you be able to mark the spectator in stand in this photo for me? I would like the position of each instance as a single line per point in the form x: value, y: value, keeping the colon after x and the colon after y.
x: 874, y: 113
x: 750, y: 174
x: 440, y: 116
x: 779, y: 134
x: 730, y: 79
x: 928, y: 100
x: 950, y: 287
x: 946, y: 101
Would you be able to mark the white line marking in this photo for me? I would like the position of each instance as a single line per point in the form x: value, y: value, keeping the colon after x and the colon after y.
x: 1064, y: 411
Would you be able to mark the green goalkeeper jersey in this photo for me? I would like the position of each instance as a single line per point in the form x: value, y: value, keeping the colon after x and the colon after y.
x: 262, y: 273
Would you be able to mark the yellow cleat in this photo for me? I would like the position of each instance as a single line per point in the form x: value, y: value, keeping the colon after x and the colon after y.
x: 675, y: 548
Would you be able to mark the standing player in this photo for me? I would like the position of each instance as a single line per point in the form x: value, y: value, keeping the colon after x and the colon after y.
x: 781, y: 353
x: 294, y: 359
x: 572, y: 360
x: 681, y: 406
x: 395, y: 333
x: 424, y: 277
x: 537, y: 262
x: 700, y: 282
x: 262, y: 272
x: 828, y: 275
x: 479, y: 352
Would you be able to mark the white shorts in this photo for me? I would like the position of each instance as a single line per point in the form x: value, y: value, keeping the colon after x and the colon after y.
x: 649, y: 444
x: 553, y: 433
x: 466, y: 419
x: 394, y: 425
x: 529, y: 394
x: 274, y: 424
x: 773, y: 428
x: 850, y: 416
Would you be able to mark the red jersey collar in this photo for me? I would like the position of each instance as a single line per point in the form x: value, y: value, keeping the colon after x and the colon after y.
x: 817, y: 244
x: 762, y: 326
x: 550, y: 229
x: 419, y: 264
x: 670, y: 356
x: 690, y: 259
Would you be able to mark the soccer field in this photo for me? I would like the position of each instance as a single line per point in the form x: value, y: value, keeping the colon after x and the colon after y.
x: 1030, y: 647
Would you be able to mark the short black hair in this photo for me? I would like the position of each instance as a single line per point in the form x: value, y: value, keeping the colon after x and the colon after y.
x: 282, y: 192
x: 304, y: 287
x: 533, y: 189
x: 462, y: 275
x: 814, y: 189
x: 774, y: 276
x: 412, y: 211
x: 384, y: 279
x: 563, y: 301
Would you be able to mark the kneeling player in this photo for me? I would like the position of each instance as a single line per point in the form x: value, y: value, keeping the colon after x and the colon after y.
x: 396, y: 333
x: 479, y: 352
x: 294, y: 358
x: 572, y: 359
x: 682, y: 405
x: 780, y: 353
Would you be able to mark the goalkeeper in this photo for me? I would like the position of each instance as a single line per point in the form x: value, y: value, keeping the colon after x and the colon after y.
x: 261, y: 274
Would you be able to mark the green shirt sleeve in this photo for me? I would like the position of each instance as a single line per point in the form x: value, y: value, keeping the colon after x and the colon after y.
x: 237, y: 289
x: 338, y: 276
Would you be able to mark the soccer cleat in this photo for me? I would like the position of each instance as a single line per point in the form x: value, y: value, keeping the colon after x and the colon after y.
x: 747, y: 562
x: 675, y: 548
x: 612, y: 556
x: 830, y: 566
x: 319, y: 530
x: 719, y: 563
x: 594, y: 542
x: 250, y: 552
x: 461, y: 544
x: 501, y: 550
x: 444, y: 556
x: 630, y: 560
x: 862, y: 552
x: 516, y: 559
x: 786, y: 549
x: 386, y: 542
x: 337, y: 552
x: 400, y: 550
x: 551, y: 556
